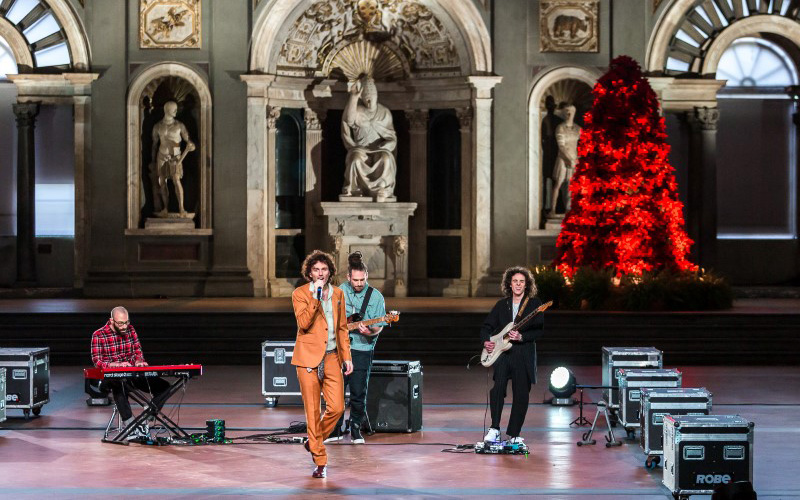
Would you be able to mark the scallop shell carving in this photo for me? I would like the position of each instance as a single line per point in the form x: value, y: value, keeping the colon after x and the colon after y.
x: 365, y: 58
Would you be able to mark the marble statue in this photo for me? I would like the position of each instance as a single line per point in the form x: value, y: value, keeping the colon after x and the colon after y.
x: 369, y: 137
x: 550, y: 122
x: 567, y: 135
x: 168, y: 160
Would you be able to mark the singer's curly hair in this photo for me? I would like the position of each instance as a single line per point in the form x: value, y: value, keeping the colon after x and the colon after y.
x: 530, y: 283
x: 313, y: 258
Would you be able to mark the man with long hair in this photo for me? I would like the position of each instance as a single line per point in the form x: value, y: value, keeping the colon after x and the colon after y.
x: 322, y: 347
x: 518, y: 363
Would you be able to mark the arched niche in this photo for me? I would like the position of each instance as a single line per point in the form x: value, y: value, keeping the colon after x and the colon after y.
x: 569, y: 81
x: 150, y: 88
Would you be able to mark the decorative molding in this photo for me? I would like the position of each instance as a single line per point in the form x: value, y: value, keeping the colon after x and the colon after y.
x: 273, y: 113
x: 313, y: 118
x: 170, y: 24
x: 417, y: 120
x: 569, y: 26
x: 404, y: 33
x: 464, y: 118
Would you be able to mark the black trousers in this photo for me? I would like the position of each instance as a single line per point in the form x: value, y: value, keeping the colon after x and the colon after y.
x: 156, y: 386
x: 511, y: 366
x: 358, y: 381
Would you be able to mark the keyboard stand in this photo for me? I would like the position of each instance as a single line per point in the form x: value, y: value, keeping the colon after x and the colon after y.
x: 145, y: 400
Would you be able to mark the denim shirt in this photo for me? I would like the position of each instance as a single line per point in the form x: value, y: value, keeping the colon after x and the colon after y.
x: 375, y: 309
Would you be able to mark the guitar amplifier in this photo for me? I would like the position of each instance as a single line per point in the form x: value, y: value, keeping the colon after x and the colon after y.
x: 394, y: 396
x: 615, y: 358
x: 278, y: 374
x: 631, y: 381
x: 27, y: 378
x: 706, y: 451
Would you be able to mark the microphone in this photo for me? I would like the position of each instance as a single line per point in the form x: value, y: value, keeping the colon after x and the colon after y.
x: 319, y: 293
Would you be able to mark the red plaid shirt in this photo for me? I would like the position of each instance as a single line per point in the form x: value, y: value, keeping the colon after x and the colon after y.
x: 108, y: 346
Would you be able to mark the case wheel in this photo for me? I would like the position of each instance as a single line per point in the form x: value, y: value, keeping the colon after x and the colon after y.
x: 37, y: 411
x: 652, y: 462
x: 271, y: 402
x: 631, y: 433
x: 27, y: 413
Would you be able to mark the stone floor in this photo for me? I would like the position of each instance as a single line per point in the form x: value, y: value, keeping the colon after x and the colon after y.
x: 60, y: 455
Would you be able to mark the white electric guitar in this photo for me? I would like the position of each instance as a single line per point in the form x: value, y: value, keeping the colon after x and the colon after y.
x: 501, y: 341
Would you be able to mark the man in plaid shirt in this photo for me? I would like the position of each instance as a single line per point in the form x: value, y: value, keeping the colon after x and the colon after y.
x: 115, y: 345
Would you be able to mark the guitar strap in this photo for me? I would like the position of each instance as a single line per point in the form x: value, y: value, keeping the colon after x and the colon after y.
x: 365, y: 303
x: 521, y: 309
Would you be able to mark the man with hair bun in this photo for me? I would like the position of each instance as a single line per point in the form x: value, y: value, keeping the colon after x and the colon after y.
x: 321, y: 349
x: 363, y: 303
x: 518, y: 363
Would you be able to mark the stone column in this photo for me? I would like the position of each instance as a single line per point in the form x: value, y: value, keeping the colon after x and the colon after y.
x: 256, y: 194
x: 313, y: 194
x: 702, y: 194
x: 418, y: 225
x: 481, y: 182
x: 82, y: 112
x: 273, y: 113
x: 26, y: 196
x: 465, y: 128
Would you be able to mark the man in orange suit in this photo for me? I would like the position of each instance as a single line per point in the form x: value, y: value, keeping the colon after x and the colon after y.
x: 322, y: 347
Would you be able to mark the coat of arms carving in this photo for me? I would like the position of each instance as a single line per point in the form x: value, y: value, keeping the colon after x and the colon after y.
x: 169, y: 24
x: 568, y: 26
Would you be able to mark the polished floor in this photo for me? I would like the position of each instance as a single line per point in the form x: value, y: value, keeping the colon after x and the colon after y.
x: 60, y: 455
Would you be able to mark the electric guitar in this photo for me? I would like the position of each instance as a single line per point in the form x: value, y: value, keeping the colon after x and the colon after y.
x: 501, y: 341
x: 355, y: 320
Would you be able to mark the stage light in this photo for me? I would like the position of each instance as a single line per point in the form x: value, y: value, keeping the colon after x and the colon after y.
x: 562, y: 386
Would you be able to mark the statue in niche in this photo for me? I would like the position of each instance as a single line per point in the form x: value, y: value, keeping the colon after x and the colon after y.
x: 567, y: 135
x: 168, y: 161
x: 549, y: 146
x: 369, y: 137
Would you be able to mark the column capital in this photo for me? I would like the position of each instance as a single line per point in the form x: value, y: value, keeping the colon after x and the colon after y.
x: 314, y: 118
x: 464, y: 118
x: 704, y: 118
x: 417, y: 120
x: 26, y: 113
x: 273, y: 113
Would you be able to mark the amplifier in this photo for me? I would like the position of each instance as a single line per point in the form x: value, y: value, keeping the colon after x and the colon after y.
x: 394, y: 396
x: 704, y: 452
x: 615, y: 358
x: 658, y: 402
x: 278, y: 374
x: 631, y: 381
x: 27, y: 378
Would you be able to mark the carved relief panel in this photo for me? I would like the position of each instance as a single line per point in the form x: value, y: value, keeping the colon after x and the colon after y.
x: 170, y: 24
x: 568, y: 26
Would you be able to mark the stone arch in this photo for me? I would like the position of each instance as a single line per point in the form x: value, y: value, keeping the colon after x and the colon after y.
x: 141, y: 83
x: 543, y: 82
x: 274, y: 17
x: 71, y: 32
x: 712, y: 26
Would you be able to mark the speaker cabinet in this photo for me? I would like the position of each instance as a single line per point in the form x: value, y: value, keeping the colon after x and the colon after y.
x: 394, y: 396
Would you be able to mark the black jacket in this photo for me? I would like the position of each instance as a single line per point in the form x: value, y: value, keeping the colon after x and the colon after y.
x: 500, y: 316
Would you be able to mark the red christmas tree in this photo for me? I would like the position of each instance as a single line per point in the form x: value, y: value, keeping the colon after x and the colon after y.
x: 625, y: 214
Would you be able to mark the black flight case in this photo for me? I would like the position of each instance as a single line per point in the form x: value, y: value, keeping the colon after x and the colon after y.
x: 702, y: 452
x: 2, y: 394
x: 615, y: 358
x: 658, y: 402
x: 278, y: 374
x: 630, y: 382
x: 27, y: 378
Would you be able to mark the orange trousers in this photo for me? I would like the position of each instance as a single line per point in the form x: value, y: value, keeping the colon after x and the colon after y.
x: 332, y: 388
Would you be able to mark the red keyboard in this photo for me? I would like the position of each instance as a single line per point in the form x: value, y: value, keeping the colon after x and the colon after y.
x: 187, y: 371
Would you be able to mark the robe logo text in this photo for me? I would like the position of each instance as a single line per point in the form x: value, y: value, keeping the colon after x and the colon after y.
x: 713, y: 479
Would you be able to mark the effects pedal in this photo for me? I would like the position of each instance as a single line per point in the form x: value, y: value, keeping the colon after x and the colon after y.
x: 501, y: 448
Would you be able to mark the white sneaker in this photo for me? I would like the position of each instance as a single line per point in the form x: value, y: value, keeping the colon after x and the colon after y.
x: 492, y: 436
x: 516, y: 440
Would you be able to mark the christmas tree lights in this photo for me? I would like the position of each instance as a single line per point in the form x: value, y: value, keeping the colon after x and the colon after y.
x: 625, y: 214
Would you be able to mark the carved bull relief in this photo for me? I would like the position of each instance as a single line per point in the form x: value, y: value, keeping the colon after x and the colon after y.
x: 568, y: 26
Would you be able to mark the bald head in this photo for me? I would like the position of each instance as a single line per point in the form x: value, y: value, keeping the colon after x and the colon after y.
x: 119, y: 319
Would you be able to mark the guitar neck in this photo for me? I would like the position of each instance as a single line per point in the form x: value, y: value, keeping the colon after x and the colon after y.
x: 367, y: 322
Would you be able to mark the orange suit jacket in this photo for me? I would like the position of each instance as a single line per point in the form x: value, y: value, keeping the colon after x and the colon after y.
x: 312, y: 327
